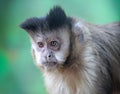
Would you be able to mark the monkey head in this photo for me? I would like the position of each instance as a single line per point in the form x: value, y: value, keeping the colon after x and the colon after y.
x: 53, y: 42
x: 50, y: 38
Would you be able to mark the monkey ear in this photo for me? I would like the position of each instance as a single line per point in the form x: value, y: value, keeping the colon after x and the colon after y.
x: 79, y: 30
x: 31, y: 24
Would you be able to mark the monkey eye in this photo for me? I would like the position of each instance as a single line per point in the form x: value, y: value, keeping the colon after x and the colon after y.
x: 54, y: 43
x: 40, y: 44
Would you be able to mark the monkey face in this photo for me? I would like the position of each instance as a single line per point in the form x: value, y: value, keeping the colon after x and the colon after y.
x: 51, y: 49
x: 50, y: 36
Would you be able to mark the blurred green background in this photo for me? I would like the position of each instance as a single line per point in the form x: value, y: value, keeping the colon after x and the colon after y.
x: 18, y: 74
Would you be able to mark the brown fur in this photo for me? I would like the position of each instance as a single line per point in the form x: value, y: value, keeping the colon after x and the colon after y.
x: 88, y: 59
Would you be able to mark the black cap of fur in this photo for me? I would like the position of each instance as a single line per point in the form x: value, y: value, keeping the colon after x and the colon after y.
x: 30, y: 24
x: 55, y: 19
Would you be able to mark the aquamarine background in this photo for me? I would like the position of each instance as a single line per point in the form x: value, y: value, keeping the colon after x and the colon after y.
x: 18, y: 74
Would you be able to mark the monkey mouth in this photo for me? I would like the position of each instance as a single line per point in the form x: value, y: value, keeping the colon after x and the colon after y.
x: 50, y: 64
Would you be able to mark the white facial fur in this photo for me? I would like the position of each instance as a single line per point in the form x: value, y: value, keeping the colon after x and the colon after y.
x: 64, y: 51
x: 60, y: 55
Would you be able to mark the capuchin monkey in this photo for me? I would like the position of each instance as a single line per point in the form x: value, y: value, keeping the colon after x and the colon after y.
x: 76, y: 57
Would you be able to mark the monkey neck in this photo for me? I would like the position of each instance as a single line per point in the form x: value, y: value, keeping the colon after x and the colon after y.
x: 63, y: 80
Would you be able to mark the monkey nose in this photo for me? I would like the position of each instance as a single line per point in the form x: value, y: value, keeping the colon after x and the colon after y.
x: 49, y: 57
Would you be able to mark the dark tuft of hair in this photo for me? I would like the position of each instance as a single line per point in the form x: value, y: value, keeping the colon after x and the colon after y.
x: 30, y: 24
x: 56, y: 17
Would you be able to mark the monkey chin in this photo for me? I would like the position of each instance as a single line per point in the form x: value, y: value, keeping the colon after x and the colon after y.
x: 52, y: 66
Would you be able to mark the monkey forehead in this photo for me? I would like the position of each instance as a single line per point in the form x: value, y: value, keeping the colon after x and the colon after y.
x: 52, y: 35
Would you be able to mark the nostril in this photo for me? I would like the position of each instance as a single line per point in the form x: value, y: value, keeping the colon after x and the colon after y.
x: 49, y: 55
